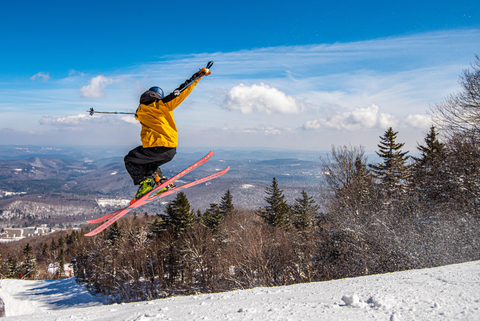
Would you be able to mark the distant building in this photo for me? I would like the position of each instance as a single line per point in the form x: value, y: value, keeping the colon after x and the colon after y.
x: 23, y: 232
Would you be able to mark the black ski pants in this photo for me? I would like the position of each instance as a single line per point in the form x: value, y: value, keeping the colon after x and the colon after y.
x: 142, y: 162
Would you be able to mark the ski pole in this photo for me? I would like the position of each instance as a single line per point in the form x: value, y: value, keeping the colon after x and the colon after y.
x: 91, y: 111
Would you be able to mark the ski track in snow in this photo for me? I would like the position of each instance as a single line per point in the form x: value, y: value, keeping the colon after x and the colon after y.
x: 446, y: 293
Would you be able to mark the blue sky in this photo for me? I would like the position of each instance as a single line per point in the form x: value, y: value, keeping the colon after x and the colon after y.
x: 303, y: 74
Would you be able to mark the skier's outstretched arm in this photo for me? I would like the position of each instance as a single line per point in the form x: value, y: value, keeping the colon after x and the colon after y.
x: 178, y: 95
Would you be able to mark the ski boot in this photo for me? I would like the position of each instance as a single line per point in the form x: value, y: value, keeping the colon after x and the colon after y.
x: 145, y: 186
x: 160, y: 179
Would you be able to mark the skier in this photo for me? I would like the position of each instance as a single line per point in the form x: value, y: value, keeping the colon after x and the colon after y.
x: 159, y: 134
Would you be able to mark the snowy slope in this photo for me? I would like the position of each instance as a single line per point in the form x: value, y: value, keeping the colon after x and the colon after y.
x: 27, y: 297
x: 445, y: 293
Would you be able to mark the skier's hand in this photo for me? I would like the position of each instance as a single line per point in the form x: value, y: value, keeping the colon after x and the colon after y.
x: 204, y: 72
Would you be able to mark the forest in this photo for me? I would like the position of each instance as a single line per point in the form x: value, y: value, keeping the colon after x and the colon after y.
x: 403, y: 212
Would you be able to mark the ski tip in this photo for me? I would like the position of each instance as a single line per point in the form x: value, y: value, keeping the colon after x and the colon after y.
x: 206, y: 157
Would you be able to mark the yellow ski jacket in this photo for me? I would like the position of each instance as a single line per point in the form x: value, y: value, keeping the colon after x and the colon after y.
x: 155, y: 114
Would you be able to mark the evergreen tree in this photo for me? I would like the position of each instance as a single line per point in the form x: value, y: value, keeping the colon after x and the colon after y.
x: 12, y: 271
x: 394, y: 172
x: 30, y: 264
x: 433, y: 148
x: 278, y: 212
x: 213, y: 217
x: 362, y: 193
x: 53, y: 251
x: 304, y: 210
x: 114, y: 233
x: 53, y: 246
x: 179, y: 214
x: 44, y: 247
x: 61, y: 242
x: 69, y: 239
x: 429, y: 168
x: 156, y: 228
x: 226, y: 205
x: 363, y: 180
x: 61, y: 268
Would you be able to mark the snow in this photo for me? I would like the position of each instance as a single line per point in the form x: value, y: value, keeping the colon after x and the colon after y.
x: 247, y: 186
x: 5, y: 193
x: 22, y: 297
x: 112, y: 202
x: 445, y: 293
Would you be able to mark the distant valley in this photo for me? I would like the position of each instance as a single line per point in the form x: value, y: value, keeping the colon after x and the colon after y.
x: 54, y: 186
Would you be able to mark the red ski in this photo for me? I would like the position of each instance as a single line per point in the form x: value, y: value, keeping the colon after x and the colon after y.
x: 166, y: 193
x: 113, y: 217
x: 153, y: 194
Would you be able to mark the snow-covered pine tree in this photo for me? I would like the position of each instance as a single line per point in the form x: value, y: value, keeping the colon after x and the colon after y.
x: 179, y: 215
x: 394, y: 172
x: 61, y: 268
x: 213, y: 217
x: 29, y: 266
x: 364, y: 187
x: 156, y: 228
x: 304, y: 211
x: 428, y: 169
x: 226, y: 205
x: 114, y: 233
x: 278, y: 212
x: 11, y: 268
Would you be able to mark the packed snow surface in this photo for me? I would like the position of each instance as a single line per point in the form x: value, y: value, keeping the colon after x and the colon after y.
x: 445, y: 293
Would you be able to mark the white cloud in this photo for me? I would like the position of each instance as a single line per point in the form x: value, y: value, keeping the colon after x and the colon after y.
x: 73, y: 72
x: 66, y: 121
x: 386, y: 121
x: 258, y: 130
x: 84, y: 120
x: 418, y: 121
x: 268, y: 130
x: 129, y: 119
x: 261, y: 98
x: 95, y: 87
x: 43, y: 76
x: 359, y: 118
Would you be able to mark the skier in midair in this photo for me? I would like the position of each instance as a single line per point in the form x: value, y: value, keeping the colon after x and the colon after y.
x: 159, y: 134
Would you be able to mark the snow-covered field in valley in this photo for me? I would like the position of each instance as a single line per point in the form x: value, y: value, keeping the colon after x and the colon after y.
x: 444, y: 293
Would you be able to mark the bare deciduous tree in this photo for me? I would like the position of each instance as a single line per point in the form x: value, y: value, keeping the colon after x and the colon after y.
x: 340, y: 169
x: 460, y: 113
